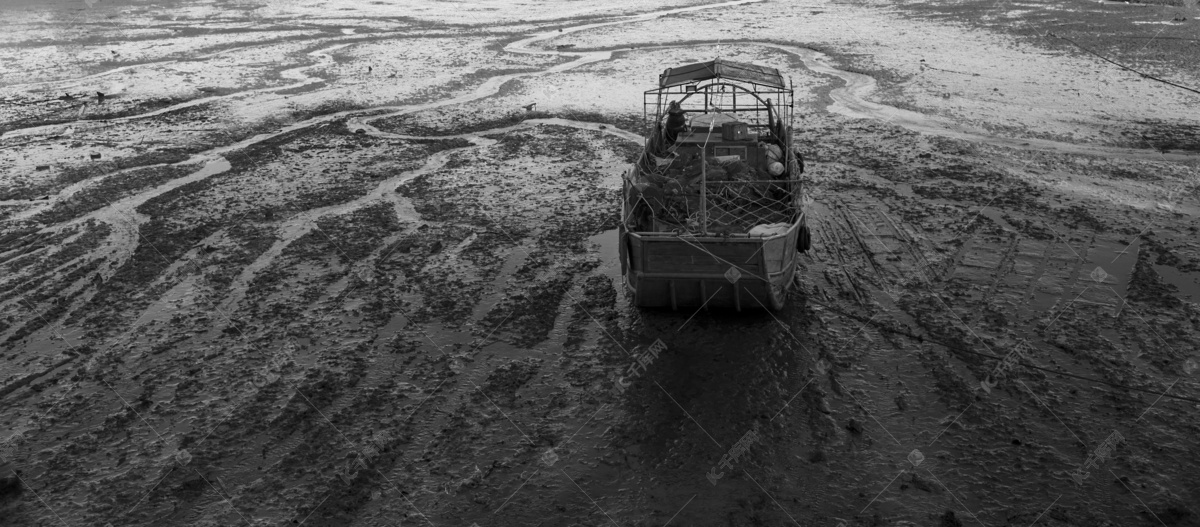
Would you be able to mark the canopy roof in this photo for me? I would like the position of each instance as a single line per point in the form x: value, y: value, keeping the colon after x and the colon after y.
x: 721, y: 69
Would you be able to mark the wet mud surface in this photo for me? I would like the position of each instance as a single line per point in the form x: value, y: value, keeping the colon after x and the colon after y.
x: 329, y: 267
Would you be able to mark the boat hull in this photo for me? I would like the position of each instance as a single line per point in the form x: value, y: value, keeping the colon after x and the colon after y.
x: 687, y: 272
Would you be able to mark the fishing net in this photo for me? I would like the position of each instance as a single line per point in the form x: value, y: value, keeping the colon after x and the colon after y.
x: 738, y: 198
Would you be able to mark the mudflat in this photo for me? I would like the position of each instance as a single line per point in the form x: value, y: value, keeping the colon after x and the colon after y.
x: 287, y: 263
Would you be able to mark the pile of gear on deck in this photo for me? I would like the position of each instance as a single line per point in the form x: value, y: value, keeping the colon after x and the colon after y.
x: 736, y: 202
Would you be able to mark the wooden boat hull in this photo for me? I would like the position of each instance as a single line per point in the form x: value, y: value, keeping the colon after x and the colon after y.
x: 669, y: 271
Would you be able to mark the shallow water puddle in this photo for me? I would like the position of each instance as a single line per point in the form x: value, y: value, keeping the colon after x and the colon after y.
x: 607, y: 244
x: 1187, y: 283
x: 1110, y: 266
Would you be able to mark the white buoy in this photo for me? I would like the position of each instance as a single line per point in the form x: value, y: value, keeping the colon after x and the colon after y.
x: 774, y: 153
x: 776, y: 168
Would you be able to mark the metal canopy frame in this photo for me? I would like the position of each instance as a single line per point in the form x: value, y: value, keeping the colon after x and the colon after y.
x: 721, y: 69
x: 752, y: 101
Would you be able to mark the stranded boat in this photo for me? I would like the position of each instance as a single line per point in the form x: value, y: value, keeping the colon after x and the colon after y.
x: 711, y: 212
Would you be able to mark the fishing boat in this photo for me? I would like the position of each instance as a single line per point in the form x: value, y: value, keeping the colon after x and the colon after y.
x: 712, y: 209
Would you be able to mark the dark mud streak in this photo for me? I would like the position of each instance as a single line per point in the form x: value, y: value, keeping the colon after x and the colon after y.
x: 26, y: 380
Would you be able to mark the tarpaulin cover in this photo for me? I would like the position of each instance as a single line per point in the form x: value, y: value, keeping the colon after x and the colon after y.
x: 721, y: 69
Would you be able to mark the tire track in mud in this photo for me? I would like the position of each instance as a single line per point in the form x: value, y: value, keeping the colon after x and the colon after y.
x: 1034, y: 282
x: 914, y: 405
x: 897, y: 407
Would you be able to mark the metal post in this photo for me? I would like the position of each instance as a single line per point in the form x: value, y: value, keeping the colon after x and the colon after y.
x: 704, y: 181
x: 791, y: 103
x: 704, y: 187
x: 791, y: 119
